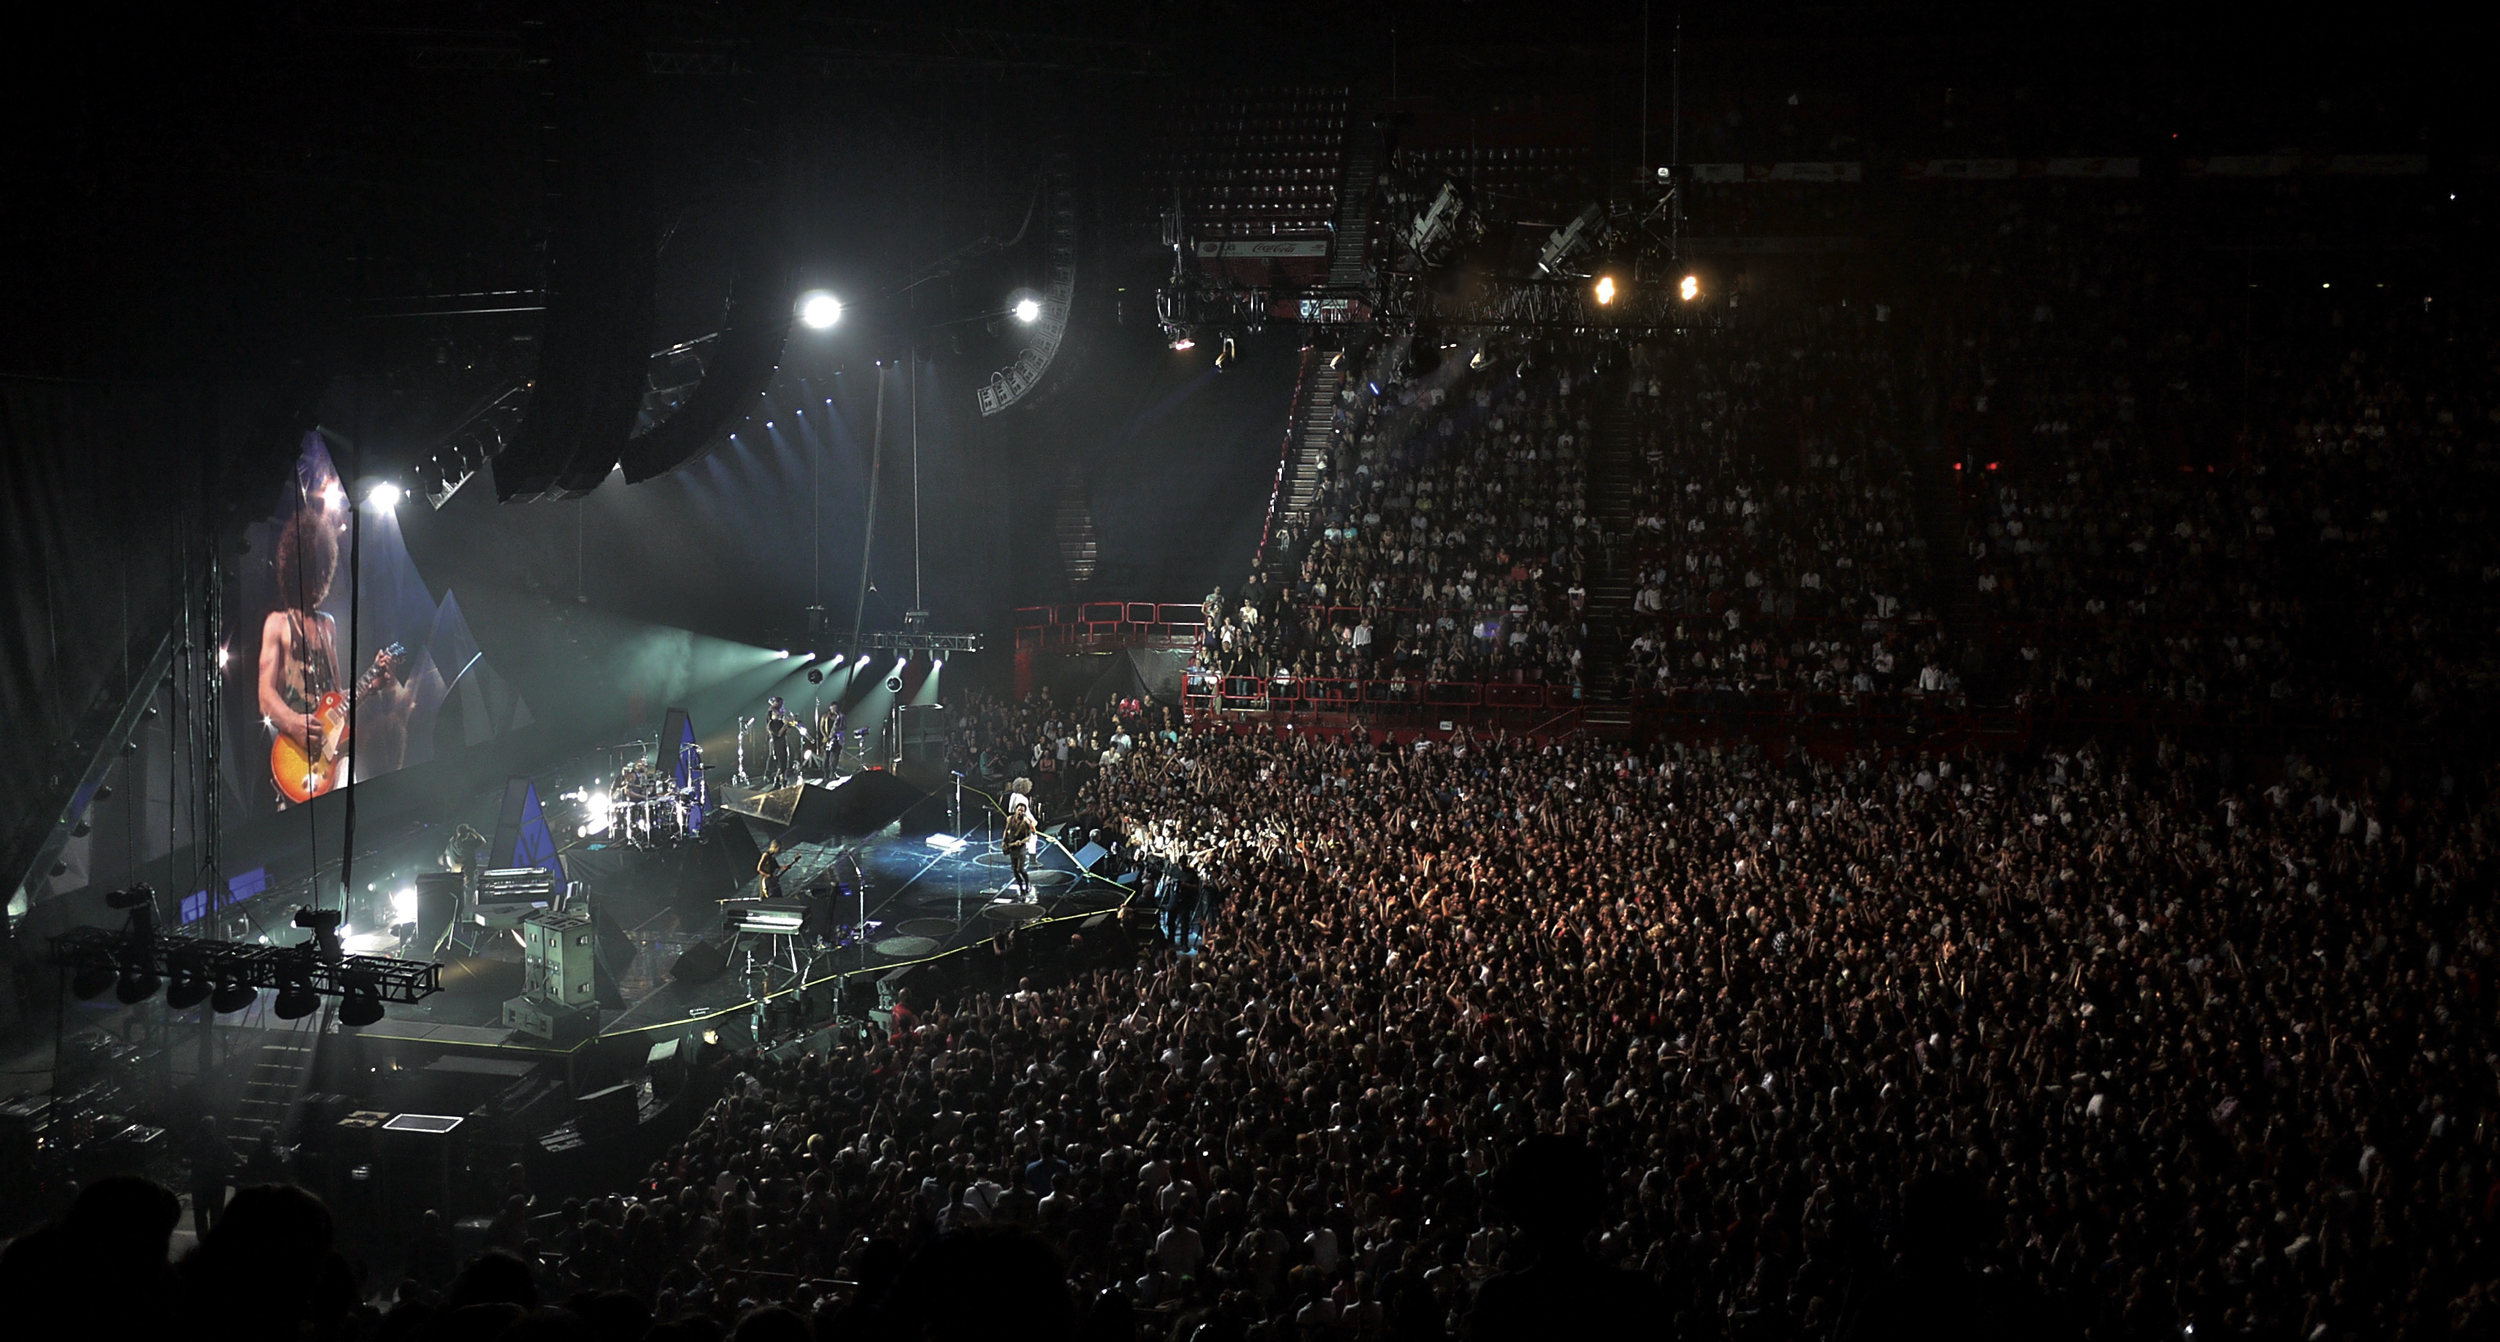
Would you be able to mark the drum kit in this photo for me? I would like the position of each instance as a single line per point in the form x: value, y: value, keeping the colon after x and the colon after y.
x: 649, y: 809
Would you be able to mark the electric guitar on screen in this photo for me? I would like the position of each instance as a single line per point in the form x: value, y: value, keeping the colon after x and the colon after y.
x: 303, y: 775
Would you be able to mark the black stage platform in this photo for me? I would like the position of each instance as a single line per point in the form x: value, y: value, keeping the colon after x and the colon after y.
x: 926, y: 900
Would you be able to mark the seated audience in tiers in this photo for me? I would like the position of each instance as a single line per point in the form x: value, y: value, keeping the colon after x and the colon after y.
x: 2330, y: 560
x: 1777, y: 543
x: 1696, y: 1044
x: 1451, y: 537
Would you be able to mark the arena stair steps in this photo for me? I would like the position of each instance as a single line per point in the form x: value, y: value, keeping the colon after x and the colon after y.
x: 278, y: 1076
x: 1612, y: 480
x: 1349, y: 271
x: 1954, y: 589
x: 1313, y: 421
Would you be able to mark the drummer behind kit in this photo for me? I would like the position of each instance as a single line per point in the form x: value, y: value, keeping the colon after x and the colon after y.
x: 647, y: 808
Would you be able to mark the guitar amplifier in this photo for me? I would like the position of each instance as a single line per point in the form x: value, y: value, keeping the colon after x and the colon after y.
x: 545, y: 1020
x: 558, y: 959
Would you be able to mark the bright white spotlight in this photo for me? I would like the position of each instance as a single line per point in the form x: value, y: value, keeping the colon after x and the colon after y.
x: 1690, y: 289
x: 840, y: 657
x: 820, y: 310
x: 783, y: 653
x: 384, y: 496
x: 404, y: 904
x: 1028, y: 310
x: 1184, y: 343
x: 1605, y: 289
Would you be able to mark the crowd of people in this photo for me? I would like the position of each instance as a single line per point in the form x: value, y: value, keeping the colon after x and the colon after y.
x: 1450, y: 538
x: 1778, y: 543
x: 2088, y: 1044
x: 2069, y: 465
x: 1059, y: 744
x: 1482, y: 1036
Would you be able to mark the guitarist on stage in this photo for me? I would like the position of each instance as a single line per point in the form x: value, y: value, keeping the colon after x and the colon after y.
x: 299, y: 658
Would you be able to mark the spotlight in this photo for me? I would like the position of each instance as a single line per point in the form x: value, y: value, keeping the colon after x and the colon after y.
x: 296, y: 998
x: 404, y: 904
x: 138, y: 983
x: 384, y: 496
x: 820, y: 310
x: 232, y: 996
x: 1605, y: 289
x: 1690, y: 289
x: 1028, y: 310
x: 325, y: 926
x: 190, y: 984
x: 91, y: 980
x: 839, y: 658
x: 1183, y: 343
x: 360, y: 1001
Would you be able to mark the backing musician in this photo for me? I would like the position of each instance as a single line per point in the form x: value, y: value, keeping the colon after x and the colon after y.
x: 829, y: 724
x: 768, y: 869
x: 781, y: 726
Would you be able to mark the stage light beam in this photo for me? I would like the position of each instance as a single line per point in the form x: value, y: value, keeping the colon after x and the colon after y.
x: 1690, y: 289
x: 1028, y: 310
x: 384, y: 496
x: 1605, y: 289
x: 820, y: 310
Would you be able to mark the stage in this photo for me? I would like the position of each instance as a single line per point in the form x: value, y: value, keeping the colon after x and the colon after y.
x: 903, y: 898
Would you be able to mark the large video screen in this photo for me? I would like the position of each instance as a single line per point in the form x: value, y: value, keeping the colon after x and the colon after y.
x: 342, y: 664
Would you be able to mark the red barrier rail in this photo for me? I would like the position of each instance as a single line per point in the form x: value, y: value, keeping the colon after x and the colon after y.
x: 1100, y: 625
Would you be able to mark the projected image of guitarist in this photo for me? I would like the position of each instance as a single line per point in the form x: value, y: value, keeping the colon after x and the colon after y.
x: 300, y: 695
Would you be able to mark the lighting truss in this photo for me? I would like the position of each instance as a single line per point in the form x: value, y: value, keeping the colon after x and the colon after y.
x: 220, y: 962
x: 901, y: 640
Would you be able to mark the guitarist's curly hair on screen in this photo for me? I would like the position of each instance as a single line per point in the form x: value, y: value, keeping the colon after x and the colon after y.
x: 307, y: 560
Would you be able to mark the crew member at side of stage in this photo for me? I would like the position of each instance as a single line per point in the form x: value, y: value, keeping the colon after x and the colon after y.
x: 779, y: 726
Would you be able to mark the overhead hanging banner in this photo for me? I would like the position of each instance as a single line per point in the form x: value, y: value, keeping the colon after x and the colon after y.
x: 1269, y: 247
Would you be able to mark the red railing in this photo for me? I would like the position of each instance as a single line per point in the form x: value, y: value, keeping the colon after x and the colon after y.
x: 1110, y: 624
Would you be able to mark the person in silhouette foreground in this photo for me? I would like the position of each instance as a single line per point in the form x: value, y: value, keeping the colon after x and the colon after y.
x: 102, y: 1264
x: 1554, y: 1191
x: 1939, y: 1286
